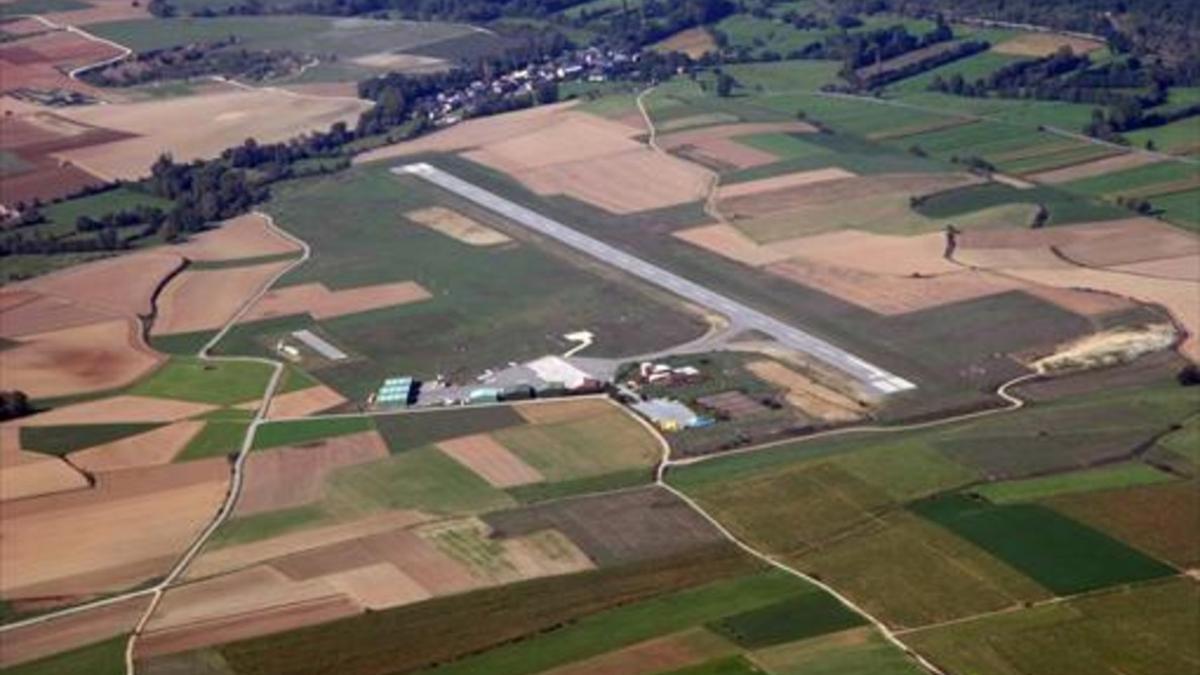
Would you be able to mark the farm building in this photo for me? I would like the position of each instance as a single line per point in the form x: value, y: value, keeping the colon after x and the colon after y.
x: 396, y: 391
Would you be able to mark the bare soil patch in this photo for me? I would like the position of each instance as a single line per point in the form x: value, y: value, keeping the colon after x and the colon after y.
x: 41, y: 60
x: 1102, y: 244
x: 891, y: 295
x: 878, y: 253
x: 1045, y: 44
x: 99, y: 11
x: 44, y: 314
x: 1082, y: 302
x: 247, y: 236
x: 33, y: 135
x: 123, y: 285
x: 490, y: 461
x: 304, y: 402
x: 94, y: 357
x: 457, y: 226
x: 117, y: 409
x: 158, y: 446
x: 730, y: 242
x: 293, y: 476
x: 1185, y: 268
x: 198, y: 300
x: 196, y: 127
x: 723, y: 154
x: 321, y: 303
x: 695, y: 42
x: 571, y: 137
x: 75, y: 630
x: 810, y: 396
x: 1099, y: 167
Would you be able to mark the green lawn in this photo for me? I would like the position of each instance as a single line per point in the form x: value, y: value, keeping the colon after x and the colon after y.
x: 218, y: 382
x: 1123, y: 475
x: 1059, y: 553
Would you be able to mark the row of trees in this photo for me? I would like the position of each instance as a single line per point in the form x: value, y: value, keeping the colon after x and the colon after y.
x: 196, y: 60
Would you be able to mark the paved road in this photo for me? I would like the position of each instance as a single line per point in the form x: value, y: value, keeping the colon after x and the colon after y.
x: 739, y: 314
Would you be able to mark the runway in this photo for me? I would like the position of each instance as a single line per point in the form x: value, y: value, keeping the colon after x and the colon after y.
x: 739, y: 314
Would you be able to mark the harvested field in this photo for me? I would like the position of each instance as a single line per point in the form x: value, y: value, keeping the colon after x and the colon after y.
x: 286, y: 477
x: 377, y: 587
x: 731, y: 243
x: 1044, y: 44
x: 124, y: 285
x: 716, y: 144
x: 131, y: 409
x: 490, y: 461
x: 665, y: 654
x: 198, y: 300
x: 1099, y: 167
x: 786, y: 181
x: 36, y: 477
x: 474, y: 133
x: 625, y: 527
x: 218, y: 561
x: 457, y: 226
x: 236, y: 606
x: 43, y: 314
x: 553, y: 412
x: 76, y: 630
x: 153, y: 447
x: 892, y: 295
x: 744, y: 203
x: 695, y: 42
x: 808, y: 395
x: 40, y: 61
x: 321, y: 303
x: 1184, y: 268
x: 125, y: 530
x: 301, y: 403
x: 623, y: 183
x: 571, y: 137
x: 508, y: 559
x: 98, y: 11
x: 89, y: 358
x: 404, y: 63
x: 1082, y: 302
x: 920, y: 255
x: 247, y: 236
x: 197, y: 127
x: 420, y: 560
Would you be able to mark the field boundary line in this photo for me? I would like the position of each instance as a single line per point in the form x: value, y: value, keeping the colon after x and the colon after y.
x: 237, y: 467
x: 126, y: 52
x: 660, y: 480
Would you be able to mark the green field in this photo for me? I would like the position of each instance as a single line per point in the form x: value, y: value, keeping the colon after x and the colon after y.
x: 1179, y: 137
x: 18, y: 7
x: 796, y: 618
x: 599, y: 445
x: 1135, y: 179
x: 1064, y: 207
x: 1182, y: 208
x: 970, y: 68
x: 563, y: 619
x: 217, y: 382
x: 275, y: 434
x: 245, y: 529
x: 857, y: 651
x: 1105, y: 478
x: 491, y: 305
x: 425, y: 479
x: 61, y: 217
x: 218, y: 437
x: 62, y: 440
x: 1149, y: 630
x: 407, y: 431
x: 1057, y: 552
x: 345, y: 38
x: 101, y: 658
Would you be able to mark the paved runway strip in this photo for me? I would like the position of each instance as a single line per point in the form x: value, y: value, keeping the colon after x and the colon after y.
x: 739, y: 314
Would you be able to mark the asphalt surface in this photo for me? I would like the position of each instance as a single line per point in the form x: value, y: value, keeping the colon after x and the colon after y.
x: 789, y: 336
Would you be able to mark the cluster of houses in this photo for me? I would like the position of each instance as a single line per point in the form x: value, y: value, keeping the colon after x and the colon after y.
x: 592, y: 64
